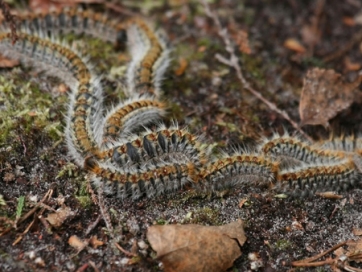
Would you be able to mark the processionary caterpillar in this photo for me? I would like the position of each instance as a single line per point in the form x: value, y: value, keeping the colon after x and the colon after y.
x: 167, y: 158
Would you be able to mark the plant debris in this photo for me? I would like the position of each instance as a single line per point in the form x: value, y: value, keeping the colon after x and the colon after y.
x: 197, y: 248
x: 324, y: 95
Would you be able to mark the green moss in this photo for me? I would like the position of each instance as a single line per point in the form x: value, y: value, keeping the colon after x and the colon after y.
x: 25, y: 107
x: 161, y: 221
x: 83, y: 195
x: 69, y: 170
x: 2, y: 201
x: 205, y: 215
x: 84, y: 201
x: 283, y: 244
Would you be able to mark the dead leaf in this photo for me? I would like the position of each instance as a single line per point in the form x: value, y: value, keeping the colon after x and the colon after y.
x: 182, y: 67
x: 357, y: 232
x: 242, y: 202
x: 7, y: 63
x: 242, y: 40
x: 94, y: 242
x: 351, y: 66
x: 329, y: 195
x: 197, y: 248
x: 56, y: 219
x: 324, y: 95
x: 349, y: 21
x: 294, y: 45
x: 77, y: 243
x: 354, y: 251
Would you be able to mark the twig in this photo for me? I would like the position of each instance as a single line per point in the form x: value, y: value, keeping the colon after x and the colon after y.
x: 127, y: 253
x: 93, y: 225
x: 31, y: 212
x: 17, y: 240
x: 350, y: 268
x: 93, y: 265
x: 104, y: 211
x: 234, y: 62
x: 83, y: 267
x: 311, y: 259
x: 48, y: 228
x: 320, y: 263
x: 10, y: 19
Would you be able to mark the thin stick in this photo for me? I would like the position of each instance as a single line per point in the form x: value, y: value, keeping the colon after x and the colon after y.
x: 314, y: 263
x: 104, y: 212
x: 127, y: 253
x: 31, y: 212
x: 311, y: 259
x: 234, y: 62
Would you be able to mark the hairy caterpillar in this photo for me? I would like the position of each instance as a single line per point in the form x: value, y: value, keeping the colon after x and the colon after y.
x: 131, y: 115
x: 150, y: 180
x: 237, y: 169
x: 149, y: 50
x: 165, y: 144
x: 166, y: 159
x: 292, y: 150
x: 322, y: 177
x: 84, y: 107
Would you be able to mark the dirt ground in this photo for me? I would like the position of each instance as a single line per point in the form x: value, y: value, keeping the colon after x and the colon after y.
x: 205, y: 95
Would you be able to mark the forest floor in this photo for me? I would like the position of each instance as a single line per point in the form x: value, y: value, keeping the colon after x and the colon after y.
x: 205, y: 95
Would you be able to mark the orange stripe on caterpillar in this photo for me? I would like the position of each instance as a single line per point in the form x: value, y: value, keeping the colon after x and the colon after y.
x: 130, y: 116
x: 293, y: 150
x: 77, y: 21
x: 170, y: 145
x: 146, y: 71
x: 238, y: 169
x: 150, y: 180
x: 83, y: 99
x: 323, y: 177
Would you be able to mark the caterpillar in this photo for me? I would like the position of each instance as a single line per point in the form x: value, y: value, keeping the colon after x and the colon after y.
x: 166, y: 144
x: 150, y: 180
x: 301, y: 181
x: 292, y: 150
x: 130, y: 163
x: 239, y: 169
x: 84, y: 107
x: 130, y: 115
x: 149, y: 49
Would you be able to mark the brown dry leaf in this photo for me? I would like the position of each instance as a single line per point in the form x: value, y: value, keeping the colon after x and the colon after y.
x: 293, y: 44
x: 182, y: 67
x: 56, y: 219
x: 7, y: 63
x: 329, y: 195
x: 242, y: 202
x: 242, y: 40
x: 357, y: 232
x: 77, y: 243
x: 324, y: 95
x: 197, y: 248
x: 351, y: 66
x: 354, y: 251
x: 349, y: 21
x: 94, y: 242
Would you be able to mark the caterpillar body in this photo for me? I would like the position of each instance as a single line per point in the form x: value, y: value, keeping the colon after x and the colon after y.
x: 130, y: 160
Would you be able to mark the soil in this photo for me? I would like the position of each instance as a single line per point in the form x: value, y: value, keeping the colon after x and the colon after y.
x: 207, y: 97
